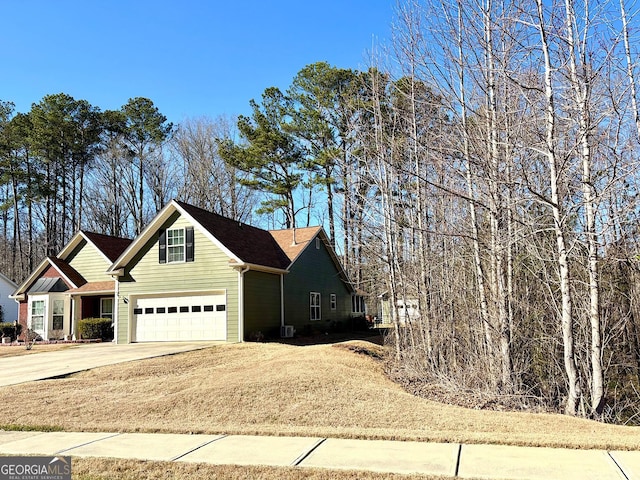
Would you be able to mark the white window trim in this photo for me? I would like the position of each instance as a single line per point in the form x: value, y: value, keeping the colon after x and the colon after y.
x: 184, y: 245
x: 45, y: 314
x: 112, y: 307
x: 313, y: 307
x: 53, y: 314
x: 357, y: 302
x: 334, y: 302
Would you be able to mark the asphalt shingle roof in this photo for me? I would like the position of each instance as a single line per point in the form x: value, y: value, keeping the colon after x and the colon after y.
x: 112, y: 247
x: 250, y: 244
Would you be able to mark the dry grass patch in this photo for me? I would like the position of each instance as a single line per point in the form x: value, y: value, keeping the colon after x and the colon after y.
x: 19, y: 350
x: 277, y: 389
x: 109, y: 469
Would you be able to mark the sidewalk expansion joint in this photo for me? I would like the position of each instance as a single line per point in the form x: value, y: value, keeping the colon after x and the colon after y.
x: 304, y: 455
x: 458, y: 460
x: 197, y: 448
x: 622, y: 472
x: 87, y: 443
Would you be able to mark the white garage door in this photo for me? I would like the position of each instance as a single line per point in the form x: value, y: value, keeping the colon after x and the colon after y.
x: 188, y: 317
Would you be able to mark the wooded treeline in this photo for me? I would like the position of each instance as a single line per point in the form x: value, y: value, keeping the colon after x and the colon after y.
x: 66, y: 165
x: 485, y: 167
x: 506, y: 160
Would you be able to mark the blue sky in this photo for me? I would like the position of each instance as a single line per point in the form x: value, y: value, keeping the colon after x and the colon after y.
x: 191, y: 58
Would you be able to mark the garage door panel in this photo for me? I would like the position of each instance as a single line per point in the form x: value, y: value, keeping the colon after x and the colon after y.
x: 179, y: 320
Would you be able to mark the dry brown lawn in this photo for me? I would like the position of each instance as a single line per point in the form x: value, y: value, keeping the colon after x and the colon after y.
x: 110, y: 469
x: 277, y: 389
x: 18, y: 350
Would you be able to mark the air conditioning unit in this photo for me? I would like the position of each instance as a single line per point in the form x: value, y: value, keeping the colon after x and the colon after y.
x: 287, y: 331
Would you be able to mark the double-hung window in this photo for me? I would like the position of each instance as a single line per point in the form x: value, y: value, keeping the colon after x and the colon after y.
x: 58, y: 315
x: 314, y: 305
x: 334, y: 302
x: 175, y: 245
x: 37, y: 315
x: 106, y: 308
x: 357, y: 304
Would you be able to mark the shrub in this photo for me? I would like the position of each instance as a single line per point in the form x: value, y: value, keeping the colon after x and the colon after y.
x: 8, y: 329
x: 94, y: 328
x: 359, y: 324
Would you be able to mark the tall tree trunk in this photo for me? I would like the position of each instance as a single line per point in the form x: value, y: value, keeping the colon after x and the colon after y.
x: 495, y: 207
x: 479, y: 270
x: 581, y: 89
x: 573, y: 384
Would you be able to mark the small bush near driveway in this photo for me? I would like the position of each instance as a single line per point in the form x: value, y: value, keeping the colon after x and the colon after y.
x: 94, y: 328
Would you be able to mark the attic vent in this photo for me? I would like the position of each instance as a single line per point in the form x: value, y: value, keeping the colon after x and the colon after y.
x: 317, y: 243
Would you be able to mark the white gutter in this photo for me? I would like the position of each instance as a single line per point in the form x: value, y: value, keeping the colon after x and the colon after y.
x: 260, y: 268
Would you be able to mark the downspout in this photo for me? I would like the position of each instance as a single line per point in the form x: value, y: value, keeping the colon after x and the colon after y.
x: 241, y: 273
x: 116, y: 310
x: 282, y: 300
x: 72, y: 314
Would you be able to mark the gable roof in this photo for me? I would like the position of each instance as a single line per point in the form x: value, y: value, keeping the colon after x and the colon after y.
x: 293, y: 241
x: 66, y: 271
x: 109, y: 247
x: 249, y: 244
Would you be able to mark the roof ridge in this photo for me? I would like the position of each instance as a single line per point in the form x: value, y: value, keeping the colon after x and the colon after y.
x: 91, y: 233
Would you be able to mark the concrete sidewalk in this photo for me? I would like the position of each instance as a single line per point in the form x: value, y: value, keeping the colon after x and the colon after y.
x: 80, y: 357
x: 446, y: 459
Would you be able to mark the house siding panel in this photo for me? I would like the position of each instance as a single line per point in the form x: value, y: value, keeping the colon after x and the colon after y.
x: 314, y: 271
x: 51, y: 272
x: 9, y: 306
x: 90, y: 263
x: 261, y: 304
x: 210, y: 271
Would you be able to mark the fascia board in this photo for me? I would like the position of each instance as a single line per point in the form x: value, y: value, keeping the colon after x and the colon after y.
x: 71, y: 244
x: 143, y: 237
x: 31, y: 278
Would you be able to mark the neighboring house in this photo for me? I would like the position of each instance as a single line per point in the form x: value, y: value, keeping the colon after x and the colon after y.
x: 195, y: 275
x: 406, y: 310
x: 8, y: 306
x: 71, y: 286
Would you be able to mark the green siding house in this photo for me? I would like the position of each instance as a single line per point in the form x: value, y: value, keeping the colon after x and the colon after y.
x: 195, y: 275
x: 190, y: 275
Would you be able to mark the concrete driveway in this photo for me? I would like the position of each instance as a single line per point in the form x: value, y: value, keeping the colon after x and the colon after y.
x: 43, y: 365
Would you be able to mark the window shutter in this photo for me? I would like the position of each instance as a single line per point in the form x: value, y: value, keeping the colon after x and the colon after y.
x: 190, y: 244
x: 162, y: 246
